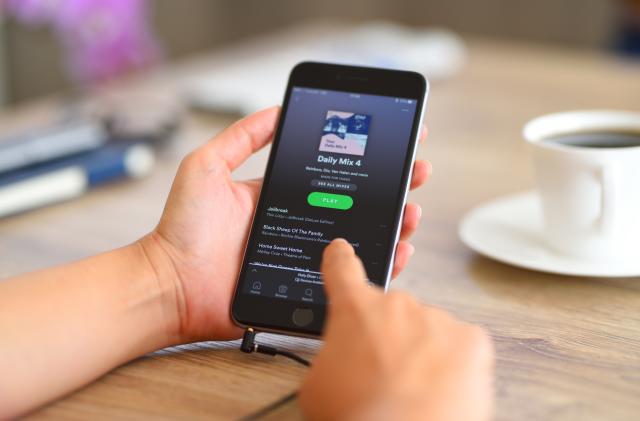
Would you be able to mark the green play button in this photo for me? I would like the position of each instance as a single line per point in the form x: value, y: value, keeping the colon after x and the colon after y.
x: 330, y: 200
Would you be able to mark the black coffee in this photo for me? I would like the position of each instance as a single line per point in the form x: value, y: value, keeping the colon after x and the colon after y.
x: 598, y: 140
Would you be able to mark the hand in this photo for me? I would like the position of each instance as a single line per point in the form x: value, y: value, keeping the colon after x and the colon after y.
x: 388, y: 357
x: 206, y: 221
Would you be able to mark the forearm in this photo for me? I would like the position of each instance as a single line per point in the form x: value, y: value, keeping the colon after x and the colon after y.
x: 63, y: 327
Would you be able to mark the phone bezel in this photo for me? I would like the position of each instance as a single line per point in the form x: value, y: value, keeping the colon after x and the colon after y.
x: 275, y: 315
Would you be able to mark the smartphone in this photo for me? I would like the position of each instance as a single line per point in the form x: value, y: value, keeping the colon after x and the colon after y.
x: 340, y: 166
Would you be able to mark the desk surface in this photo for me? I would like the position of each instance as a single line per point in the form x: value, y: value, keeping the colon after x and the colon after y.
x: 567, y: 348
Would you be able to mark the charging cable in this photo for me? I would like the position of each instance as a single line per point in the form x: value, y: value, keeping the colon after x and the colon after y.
x: 249, y: 345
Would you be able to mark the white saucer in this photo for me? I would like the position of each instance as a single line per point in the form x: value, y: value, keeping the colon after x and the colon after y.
x: 509, y: 230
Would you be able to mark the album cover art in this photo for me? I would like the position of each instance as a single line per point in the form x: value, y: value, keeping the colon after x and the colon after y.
x: 345, y: 132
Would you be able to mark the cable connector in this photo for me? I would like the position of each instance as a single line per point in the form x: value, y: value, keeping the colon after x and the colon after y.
x: 249, y: 345
x: 248, y: 341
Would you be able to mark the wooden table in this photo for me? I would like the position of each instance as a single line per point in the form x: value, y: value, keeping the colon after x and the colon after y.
x: 567, y: 348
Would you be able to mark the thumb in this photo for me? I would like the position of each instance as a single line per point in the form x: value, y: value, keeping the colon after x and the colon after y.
x: 342, y: 271
x: 245, y: 137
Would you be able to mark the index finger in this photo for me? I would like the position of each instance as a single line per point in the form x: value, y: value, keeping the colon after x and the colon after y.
x: 342, y: 271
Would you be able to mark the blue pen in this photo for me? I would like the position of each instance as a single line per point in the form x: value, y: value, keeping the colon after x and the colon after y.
x: 66, y: 178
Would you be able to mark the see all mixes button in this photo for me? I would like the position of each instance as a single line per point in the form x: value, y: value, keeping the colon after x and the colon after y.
x: 330, y: 200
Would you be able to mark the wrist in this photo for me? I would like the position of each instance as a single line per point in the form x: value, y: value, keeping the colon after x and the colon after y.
x: 167, y: 285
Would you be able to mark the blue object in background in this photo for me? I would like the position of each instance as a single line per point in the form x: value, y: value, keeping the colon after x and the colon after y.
x: 628, y: 37
x: 70, y: 177
x: 629, y: 41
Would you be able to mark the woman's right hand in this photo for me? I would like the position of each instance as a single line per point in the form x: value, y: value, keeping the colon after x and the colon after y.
x: 389, y: 357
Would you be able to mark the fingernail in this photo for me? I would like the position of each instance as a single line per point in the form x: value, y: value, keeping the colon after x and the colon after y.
x: 429, y: 168
x: 341, y: 246
x: 412, y: 250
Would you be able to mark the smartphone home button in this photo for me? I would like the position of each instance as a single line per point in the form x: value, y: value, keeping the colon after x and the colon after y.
x: 302, y: 317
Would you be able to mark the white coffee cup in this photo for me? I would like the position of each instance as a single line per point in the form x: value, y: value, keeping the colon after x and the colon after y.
x: 590, y: 196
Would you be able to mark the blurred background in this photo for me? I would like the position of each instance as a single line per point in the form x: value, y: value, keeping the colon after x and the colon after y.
x: 32, y: 58
x: 95, y: 91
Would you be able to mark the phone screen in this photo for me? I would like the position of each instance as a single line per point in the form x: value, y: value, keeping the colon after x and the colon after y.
x: 337, y: 172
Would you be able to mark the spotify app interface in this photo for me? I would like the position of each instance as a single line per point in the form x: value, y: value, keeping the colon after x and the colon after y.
x: 337, y: 173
